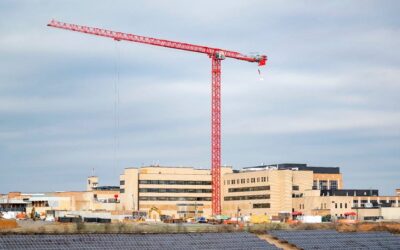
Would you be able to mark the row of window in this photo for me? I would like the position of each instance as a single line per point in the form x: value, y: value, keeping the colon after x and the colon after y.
x: 323, y: 185
x: 261, y: 205
x: 173, y: 190
x: 372, y: 201
x: 189, y: 204
x: 164, y: 198
x: 190, y: 212
x: 247, y: 189
x: 247, y: 197
x: 172, y: 182
x: 244, y: 180
x: 341, y: 205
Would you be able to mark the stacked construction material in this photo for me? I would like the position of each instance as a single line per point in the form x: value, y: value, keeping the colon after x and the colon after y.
x: 331, y: 239
x: 135, y: 241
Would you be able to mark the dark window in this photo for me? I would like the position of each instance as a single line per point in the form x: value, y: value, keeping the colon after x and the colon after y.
x: 233, y: 181
x: 253, y: 180
x: 315, y: 185
x: 333, y: 185
x: 261, y: 205
x: 174, y: 182
x: 122, y: 190
x: 122, y: 182
x: 243, y: 181
x: 341, y: 205
x: 247, y: 189
x: 165, y: 198
x: 247, y: 197
x: 173, y: 190
x: 323, y: 185
x: 345, y: 205
x: 295, y: 188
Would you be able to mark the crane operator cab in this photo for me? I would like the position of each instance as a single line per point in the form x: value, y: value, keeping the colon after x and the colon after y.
x: 220, y: 55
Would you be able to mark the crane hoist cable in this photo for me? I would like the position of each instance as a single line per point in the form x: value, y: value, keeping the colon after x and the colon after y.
x: 116, y: 108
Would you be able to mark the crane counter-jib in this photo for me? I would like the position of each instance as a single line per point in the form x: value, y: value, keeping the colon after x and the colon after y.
x: 119, y: 36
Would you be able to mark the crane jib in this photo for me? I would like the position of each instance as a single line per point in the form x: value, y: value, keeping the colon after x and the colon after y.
x: 120, y: 36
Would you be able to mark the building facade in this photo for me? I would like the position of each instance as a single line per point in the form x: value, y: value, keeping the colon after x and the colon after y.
x: 178, y: 192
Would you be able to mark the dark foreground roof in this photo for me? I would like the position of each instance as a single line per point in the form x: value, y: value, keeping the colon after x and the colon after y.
x: 301, y: 166
x: 136, y: 241
x: 331, y: 239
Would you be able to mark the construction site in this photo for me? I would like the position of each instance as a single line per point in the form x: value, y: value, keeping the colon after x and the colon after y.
x: 275, y: 205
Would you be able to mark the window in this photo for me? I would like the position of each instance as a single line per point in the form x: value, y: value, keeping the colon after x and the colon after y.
x: 243, y: 181
x: 261, y: 205
x: 345, y: 205
x: 263, y: 179
x: 295, y: 188
x: 229, y: 182
x: 315, y: 185
x: 173, y: 182
x: 173, y: 198
x: 258, y: 179
x: 253, y: 180
x: 335, y: 205
x: 247, y: 197
x: 233, y: 182
x: 247, y: 189
x: 323, y: 185
x: 122, y: 190
x: 333, y: 185
x: 237, y: 181
x: 341, y: 205
x: 173, y: 190
x: 121, y: 182
x: 248, y: 180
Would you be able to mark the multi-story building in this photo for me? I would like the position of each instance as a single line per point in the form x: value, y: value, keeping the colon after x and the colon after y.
x: 338, y: 203
x: 185, y: 192
x: 270, y: 189
x: 174, y: 191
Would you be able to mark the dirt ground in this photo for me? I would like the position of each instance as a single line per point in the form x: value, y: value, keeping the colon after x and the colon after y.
x: 393, y: 227
x: 43, y: 227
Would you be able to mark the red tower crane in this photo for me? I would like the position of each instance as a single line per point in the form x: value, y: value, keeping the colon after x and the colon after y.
x: 216, y: 55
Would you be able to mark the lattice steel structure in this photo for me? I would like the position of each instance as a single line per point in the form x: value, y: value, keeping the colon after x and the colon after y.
x: 216, y: 55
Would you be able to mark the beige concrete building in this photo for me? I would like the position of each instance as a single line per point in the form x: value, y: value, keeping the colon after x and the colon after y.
x: 270, y: 189
x: 337, y: 203
x: 178, y: 192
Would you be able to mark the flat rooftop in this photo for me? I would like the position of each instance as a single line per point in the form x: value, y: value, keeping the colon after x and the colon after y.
x: 296, y: 166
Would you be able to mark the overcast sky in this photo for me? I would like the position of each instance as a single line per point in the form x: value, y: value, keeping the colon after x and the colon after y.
x: 330, y: 95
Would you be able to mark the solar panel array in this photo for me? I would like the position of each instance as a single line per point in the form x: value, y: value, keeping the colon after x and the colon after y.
x: 136, y: 241
x: 331, y: 239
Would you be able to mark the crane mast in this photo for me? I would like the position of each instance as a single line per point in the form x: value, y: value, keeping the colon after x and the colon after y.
x: 216, y: 55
